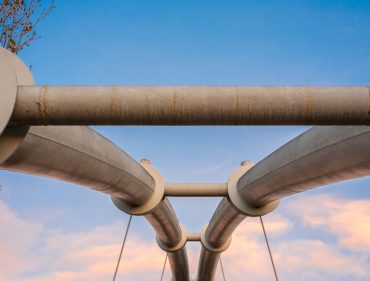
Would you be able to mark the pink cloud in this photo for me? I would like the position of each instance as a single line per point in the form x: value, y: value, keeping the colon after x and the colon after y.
x: 17, y: 238
x: 90, y: 255
x: 305, y: 259
x: 53, y: 254
x: 348, y: 220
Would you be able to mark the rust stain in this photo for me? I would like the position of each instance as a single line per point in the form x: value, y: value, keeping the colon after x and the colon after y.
x: 368, y: 111
x: 42, y: 104
x: 174, y: 99
x: 308, y: 102
x: 237, y: 99
x: 114, y: 103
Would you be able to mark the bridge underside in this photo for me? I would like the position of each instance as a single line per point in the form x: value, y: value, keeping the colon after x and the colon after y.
x: 320, y: 156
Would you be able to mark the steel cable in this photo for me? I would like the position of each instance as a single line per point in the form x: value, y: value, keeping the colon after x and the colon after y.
x: 164, y: 266
x: 123, y: 245
x: 269, y: 249
x: 222, y: 269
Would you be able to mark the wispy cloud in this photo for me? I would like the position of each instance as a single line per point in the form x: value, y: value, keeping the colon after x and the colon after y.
x: 347, y: 220
x: 346, y: 256
x: 33, y: 252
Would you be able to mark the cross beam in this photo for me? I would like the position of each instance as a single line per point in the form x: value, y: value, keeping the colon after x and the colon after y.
x: 191, y: 105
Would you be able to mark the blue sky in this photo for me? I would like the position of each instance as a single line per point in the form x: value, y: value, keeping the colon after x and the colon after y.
x: 190, y: 43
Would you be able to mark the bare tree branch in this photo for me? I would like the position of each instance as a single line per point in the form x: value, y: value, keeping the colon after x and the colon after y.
x: 18, y: 21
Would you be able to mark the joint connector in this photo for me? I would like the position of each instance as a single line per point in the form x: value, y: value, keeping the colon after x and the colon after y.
x: 235, y: 199
x: 193, y: 237
x: 13, y: 73
x: 154, y: 200
x: 176, y: 247
x: 209, y: 247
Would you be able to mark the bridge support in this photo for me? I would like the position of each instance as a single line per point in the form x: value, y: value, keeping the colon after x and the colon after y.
x: 183, y: 105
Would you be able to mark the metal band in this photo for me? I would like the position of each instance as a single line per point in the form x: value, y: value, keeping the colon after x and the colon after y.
x: 238, y: 202
x: 153, y: 202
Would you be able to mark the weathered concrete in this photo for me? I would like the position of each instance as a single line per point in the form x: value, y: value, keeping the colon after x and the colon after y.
x: 320, y: 156
x: 80, y: 155
x: 183, y: 105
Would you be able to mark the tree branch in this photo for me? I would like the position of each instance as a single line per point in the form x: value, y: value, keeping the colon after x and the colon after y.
x: 18, y: 20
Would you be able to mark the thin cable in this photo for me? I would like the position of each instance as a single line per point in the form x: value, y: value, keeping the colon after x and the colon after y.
x: 268, y: 247
x: 123, y: 245
x: 164, y: 266
x: 222, y: 269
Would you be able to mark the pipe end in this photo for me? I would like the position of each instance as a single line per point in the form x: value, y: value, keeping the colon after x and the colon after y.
x: 8, y: 89
x: 154, y: 200
x: 240, y: 204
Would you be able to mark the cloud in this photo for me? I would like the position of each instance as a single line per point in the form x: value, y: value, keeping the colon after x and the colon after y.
x: 316, y: 260
x: 344, y: 257
x: 17, y: 239
x: 347, y: 220
x: 31, y: 251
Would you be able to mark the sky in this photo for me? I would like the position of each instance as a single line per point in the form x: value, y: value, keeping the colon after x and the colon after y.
x: 52, y: 230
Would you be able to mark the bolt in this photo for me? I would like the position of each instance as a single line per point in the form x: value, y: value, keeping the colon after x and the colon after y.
x: 145, y: 161
x: 246, y: 162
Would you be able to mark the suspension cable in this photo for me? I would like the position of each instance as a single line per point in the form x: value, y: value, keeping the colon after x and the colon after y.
x: 222, y: 269
x: 164, y: 266
x: 123, y: 245
x: 269, y: 249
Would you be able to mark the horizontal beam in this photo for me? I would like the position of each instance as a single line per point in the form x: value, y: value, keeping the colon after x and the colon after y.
x: 193, y: 237
x: 195, y: 189
x: 186, y: 105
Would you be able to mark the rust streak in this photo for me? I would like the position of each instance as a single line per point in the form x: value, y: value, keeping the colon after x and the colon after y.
x: 114, y: 106
x: 237, y: 99
x: 174, y: 99
x: 308, y: 102
x: 42, y: 104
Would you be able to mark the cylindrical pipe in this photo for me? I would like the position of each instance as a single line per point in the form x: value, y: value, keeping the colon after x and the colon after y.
x: 193, y: 237
x: 222, y: 224
x: 195, y: 189
x: 207, y: 265
x: 183, y: 105
x: 82, y: 156
x: 168, y: 231
x: 320, y: 156
x: 179, y: 262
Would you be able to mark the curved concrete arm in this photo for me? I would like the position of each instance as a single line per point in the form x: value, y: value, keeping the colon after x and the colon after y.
x: 78, y: 155
x: 82, y: 156
x: 320, y: 156
x: 171, y: 237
